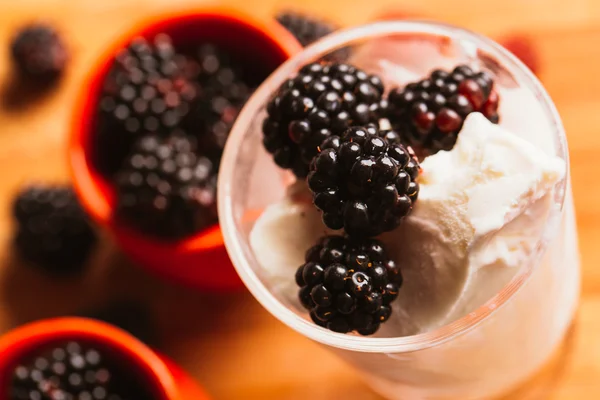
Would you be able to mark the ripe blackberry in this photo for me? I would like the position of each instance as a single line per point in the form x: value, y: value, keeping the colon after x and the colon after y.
x: 222, y: 92
x: 323, y: 100
x: 165, y: 189
x: 38, y: 52
x: 348, y: 284
x: 145, y: 91
x: 52, y: 229
x: 364, y: 181
x: 304, y: 28
x: 430, y: 113
x: 73, y: 371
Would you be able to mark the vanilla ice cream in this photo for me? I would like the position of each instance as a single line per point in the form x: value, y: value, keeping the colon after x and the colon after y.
x: 481, y: 210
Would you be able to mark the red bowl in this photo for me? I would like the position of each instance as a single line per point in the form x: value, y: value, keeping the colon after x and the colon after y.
x: 166, y: 380
x: 199, y: 261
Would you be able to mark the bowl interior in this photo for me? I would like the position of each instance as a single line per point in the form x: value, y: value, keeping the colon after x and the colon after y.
x: 249, y: 40
x: 122, y: 351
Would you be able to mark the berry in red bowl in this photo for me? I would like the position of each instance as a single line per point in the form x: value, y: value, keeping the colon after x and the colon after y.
x: 80, y: 358
x: 150, y: 125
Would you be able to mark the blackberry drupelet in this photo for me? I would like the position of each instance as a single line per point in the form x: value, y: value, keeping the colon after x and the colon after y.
x: 304, y: 28
x: 39, y: 52
x: 73, y: 371
x: 165, y: 189
x: 53, y: 232
x: 348, y: 284
x: 146, y: 90
x: 430, y: 113
x: 323, y: 100
x: 222, y: 93
x: 364, y: 181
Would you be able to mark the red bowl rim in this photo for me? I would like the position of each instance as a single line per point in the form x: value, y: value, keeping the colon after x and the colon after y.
x: 86, y: 182
x: 20, y: 341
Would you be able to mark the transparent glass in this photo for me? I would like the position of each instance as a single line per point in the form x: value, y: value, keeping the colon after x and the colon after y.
x: 489, y: 350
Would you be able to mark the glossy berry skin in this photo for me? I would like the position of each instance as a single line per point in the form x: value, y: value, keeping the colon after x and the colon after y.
x: 39, y: 52
x: 146, y: 90
x: 53, y: 232
x: 430, y: 113
x: 165, y: 189
x: 322, y: 101
x: 365, y: 183
x: 351, y: 291
x: 74, y: 371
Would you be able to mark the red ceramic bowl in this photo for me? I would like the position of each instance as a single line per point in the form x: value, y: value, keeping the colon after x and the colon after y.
x: 163, y: 377
x: 200, y: 261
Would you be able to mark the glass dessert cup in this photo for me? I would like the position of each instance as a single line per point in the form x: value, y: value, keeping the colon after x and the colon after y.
x: 487, y: 351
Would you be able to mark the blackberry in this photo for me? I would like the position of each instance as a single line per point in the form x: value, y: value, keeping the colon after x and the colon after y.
x: 53, y: 232
x: 304, y: 28
x: 323, y: 100
x: 73, y: 371
x: 364, y: 181
x: 146, y: 90
x: 165, y: 189
x: 348, y: 284
x: 430, y: 113
x: 39, y: 52
x: 222, y: 92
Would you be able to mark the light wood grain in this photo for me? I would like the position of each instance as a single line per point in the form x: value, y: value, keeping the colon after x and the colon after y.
x: 232, y: 346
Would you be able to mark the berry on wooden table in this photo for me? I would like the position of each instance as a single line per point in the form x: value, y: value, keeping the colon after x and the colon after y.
x: 53, y: 232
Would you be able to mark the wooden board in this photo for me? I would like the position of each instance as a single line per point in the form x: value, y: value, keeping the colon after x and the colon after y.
x: 229, y: 343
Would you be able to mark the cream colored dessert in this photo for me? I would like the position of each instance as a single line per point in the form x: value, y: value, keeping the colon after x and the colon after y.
x: 481, y: 210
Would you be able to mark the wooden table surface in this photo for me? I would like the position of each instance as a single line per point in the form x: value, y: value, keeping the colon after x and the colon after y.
x: 228, y: 342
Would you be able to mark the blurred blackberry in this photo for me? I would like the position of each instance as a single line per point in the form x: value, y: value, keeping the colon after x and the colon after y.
x: 304, y: 28
x: 348, y: 284
x: 222, y: 92
x: 364, y: 182
x: 145, y: 91
x: 53, y: 231
x: 323, y: 100
x: 308, y: 30
x: 72, y: 371
x: 165, y: 189
x: 430, y: 113
x: 39, y: 52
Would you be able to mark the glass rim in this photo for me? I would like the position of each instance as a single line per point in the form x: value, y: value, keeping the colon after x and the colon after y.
x: 324, y: 46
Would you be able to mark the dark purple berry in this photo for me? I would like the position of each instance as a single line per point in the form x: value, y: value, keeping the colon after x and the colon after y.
x: 75, y: 370
x: 345, y: 284
x: 321, y: 295
x: 39, y: 53
x: 367, y: 182
x: 53, y: 231
x: 308, y: 113
x: 305, y: 29
x: 165, y: 189
x: 145, y: 91
x: 429, y: 114
x: 335, y: 275
x: 345, y: 303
